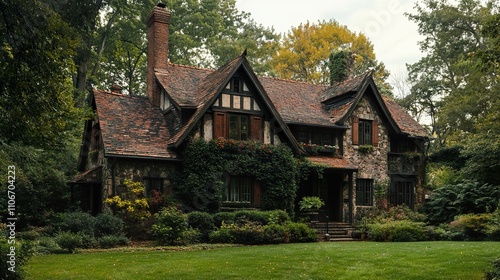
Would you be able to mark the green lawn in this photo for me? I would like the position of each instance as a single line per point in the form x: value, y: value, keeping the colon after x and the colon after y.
x: 349, y: 260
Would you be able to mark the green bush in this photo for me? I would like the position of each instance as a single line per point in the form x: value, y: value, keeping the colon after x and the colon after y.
x: 248, y: 233
x: 464, y: 197
x: 190, y: 236
x: 275, y: 234
x: 222, y: 235
x: 69, y: 241
x: 203, y: 222
x: 398, y: 231
x: 75, y: 222
x: 473, y: 226
x: 223, y: 217
x: 46, y: 245
x: 23, y: 251
x: 494, y: 273
x: 278, y: 217
x: 111, y: 241
x: 244, y: 216
x: 300, y: 232
x: 107, y: 224
x: 170, y: 224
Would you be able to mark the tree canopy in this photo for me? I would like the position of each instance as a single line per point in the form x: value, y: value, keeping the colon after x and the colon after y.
x: 304, y: 53
x: 457, y: 81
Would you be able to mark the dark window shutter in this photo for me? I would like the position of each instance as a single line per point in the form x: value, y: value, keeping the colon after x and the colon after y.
x: 355, y: 130
x: 256, y: 128
x: 220, y: 124
x: 375, y: 133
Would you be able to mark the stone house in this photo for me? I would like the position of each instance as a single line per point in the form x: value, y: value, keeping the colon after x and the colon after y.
x: 371, y: 149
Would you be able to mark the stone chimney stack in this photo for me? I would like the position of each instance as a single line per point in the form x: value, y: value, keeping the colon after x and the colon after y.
x: 157, y: 23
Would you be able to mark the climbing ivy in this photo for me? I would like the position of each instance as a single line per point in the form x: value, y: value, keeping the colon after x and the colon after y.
x: 339, y: 65
x: 200, y: 181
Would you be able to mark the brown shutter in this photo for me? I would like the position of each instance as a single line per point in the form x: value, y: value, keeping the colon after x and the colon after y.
x: 375, y: 133
x: 256, y: 128
x: 355, y: 133
x: 257, y: 194
x: 220, y: 124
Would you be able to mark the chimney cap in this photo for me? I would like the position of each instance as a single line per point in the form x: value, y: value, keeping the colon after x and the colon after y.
x: 115, y: 88
x: 161, y: 5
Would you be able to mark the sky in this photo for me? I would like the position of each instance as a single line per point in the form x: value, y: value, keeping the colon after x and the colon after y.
x: 393, y: 35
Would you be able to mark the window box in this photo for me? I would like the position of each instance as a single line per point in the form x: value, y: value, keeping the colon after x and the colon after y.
x: 319, y: 149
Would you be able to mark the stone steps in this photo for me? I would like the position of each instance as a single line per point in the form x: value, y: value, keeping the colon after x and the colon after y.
x: 334, y: 231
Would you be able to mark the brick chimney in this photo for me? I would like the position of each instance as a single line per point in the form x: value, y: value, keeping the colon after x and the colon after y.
x: 157, y: 23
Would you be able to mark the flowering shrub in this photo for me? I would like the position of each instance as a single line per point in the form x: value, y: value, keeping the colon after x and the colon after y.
x: 133, y: 206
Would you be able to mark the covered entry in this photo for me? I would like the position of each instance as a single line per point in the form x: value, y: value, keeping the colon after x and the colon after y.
x: 334, y: 187
x: 86, y: 188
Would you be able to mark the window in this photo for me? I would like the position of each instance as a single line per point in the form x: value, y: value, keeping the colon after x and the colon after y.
x: 402, y: 193
x: 365, y: 132
x: 364, y: 192
x: 239, y: 190
x: 236, y: 85
x: 164, y: 101
x: 238, y: 127
x: 153, y: 184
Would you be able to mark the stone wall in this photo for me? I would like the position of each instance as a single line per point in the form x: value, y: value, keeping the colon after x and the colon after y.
x: 374, y: 164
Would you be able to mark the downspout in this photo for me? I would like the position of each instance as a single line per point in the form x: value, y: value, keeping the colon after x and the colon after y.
x: 113, y: 185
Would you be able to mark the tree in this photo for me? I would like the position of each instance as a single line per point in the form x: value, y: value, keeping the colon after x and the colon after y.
x: 446, y: 81
x: 304, y: 53
x: 36, y: 47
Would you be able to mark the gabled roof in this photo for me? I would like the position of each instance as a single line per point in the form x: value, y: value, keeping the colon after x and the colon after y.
x: 404, y: 121
x: 130, y: 126
x: 209, y: 88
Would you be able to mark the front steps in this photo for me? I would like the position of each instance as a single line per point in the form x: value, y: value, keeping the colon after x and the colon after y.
x: 334, y: 231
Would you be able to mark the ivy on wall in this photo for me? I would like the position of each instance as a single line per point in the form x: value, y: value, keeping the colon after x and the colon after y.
x: 201, y: 180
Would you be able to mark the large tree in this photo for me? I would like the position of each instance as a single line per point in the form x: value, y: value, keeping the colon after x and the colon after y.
x: 446, y: 82
x: 305, y: 51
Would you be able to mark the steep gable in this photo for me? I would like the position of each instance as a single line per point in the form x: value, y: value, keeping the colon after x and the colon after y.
x: 207, y: 90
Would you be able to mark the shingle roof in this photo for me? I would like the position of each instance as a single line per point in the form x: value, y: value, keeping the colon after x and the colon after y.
x: 130, y: 126
x: 332, y: 162
x: 404, y: 121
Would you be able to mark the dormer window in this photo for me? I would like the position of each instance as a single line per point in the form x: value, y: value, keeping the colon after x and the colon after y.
x: 164, y: 101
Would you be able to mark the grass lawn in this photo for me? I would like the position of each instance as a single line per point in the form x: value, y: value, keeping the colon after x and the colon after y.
x: 348, y: 260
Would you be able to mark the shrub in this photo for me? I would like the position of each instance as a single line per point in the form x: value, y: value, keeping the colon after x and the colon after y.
x: 46, y: 245
x: 278, y: 217
x: 169, y: 226
x: 223, y: 217
x: 249, y: 233
x: 107, y: 224
x: 300, y: 232
x: 223, y: 235
x: 190, y: 236
x: 275, y: 234
x: 473, y: 226
x: 22, y: 253
x: 244, y: 216
x: 69, y: 241
x: 75, y: 222
x: 398, y: 231
x: 111, y: 241
x: 494, y: 273
x: 465, y: 197
x: 203, y: 222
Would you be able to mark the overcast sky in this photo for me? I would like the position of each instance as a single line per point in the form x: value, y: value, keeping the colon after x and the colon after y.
x: 383, y: 21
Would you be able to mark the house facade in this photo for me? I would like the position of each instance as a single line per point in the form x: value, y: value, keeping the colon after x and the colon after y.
x: 371, y: 150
